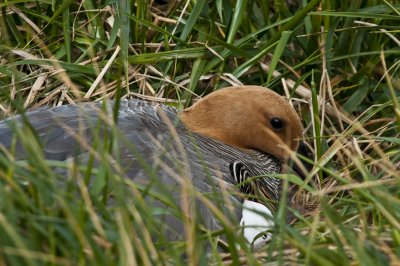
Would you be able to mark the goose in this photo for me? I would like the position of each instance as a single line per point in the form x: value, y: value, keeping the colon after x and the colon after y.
x: 215, y: 146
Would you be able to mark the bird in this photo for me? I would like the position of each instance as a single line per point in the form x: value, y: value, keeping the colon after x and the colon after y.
x: 216, y: 146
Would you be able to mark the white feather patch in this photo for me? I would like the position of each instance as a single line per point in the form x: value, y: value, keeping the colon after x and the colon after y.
x: 256, y: 222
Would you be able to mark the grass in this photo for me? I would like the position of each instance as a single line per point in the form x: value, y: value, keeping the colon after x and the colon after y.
x: 337, y: 61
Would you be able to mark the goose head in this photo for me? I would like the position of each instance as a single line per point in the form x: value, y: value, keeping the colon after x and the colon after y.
x: 247, y: 117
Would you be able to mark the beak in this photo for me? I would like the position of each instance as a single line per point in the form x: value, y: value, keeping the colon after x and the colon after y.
x: 302, y: 167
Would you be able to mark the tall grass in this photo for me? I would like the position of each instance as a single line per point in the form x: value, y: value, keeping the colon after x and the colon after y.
x: 337, y: 62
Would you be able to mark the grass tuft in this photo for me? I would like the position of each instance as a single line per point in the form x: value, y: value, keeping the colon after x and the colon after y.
x: 337, y: 62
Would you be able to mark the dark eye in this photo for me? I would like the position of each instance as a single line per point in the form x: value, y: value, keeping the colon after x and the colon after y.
x: 277, y: 123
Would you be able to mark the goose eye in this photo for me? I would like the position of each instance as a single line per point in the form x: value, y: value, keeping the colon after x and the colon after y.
x: 277, y: 123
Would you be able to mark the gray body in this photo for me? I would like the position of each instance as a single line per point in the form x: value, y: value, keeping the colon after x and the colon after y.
x: 150, y: 136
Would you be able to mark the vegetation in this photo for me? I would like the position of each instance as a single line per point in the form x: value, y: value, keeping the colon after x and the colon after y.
x: 337, y: 62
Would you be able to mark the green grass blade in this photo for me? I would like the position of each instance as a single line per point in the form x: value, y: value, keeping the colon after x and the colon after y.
x: 280, y: 47
x: 237, y: 18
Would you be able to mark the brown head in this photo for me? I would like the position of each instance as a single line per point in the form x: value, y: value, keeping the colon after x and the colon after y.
x: 248, y: 117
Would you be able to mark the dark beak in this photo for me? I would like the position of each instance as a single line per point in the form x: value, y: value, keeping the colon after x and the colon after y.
x: 305, y: 157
